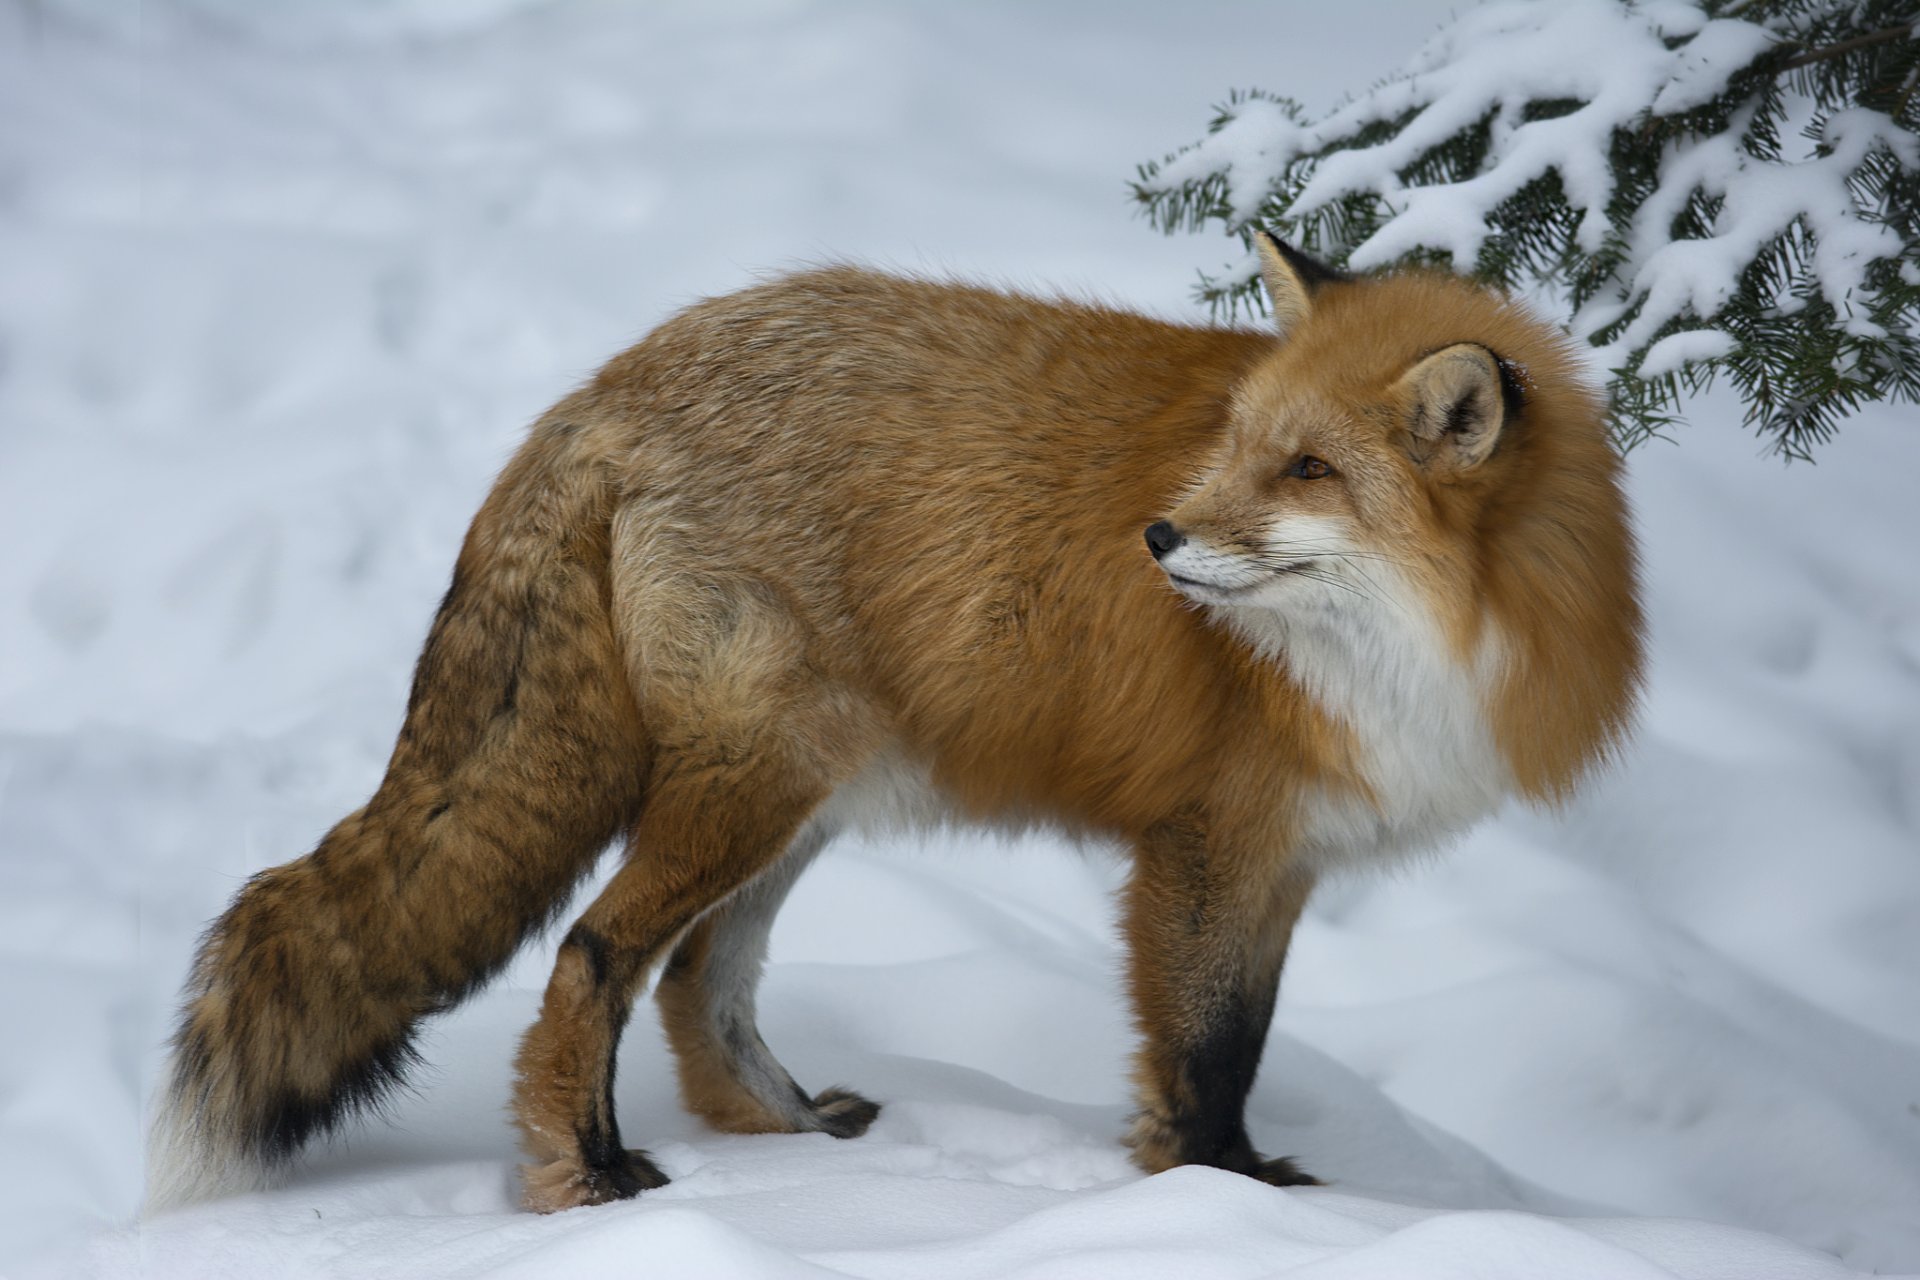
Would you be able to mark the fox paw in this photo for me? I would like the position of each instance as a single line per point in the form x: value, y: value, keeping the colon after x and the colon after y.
x: 568, y: 1183
x: 843, y: 1113
x: 1283, y: 1173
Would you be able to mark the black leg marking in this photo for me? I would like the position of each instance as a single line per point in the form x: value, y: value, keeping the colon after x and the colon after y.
x: 613, y: 1172
x: 598, y: 950
x: 1219, y: 1073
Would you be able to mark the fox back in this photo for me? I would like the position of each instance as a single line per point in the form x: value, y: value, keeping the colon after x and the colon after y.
x: 946, y: 489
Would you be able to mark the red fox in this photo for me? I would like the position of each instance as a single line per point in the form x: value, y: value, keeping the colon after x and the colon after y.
x: 846, y: 548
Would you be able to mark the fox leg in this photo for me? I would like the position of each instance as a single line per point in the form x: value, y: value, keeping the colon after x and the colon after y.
x: 1208, y: 933
x: 706, y: 997
x: 706, y: 831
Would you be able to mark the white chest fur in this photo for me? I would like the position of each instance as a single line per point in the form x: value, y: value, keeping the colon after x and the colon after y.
x: 1418, y: 718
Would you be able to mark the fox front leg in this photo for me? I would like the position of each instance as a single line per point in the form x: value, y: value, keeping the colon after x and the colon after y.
x: 1207, y: 932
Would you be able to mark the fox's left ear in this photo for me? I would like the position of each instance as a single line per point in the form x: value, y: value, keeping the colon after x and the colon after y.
x: 1291, y: 278
x: 1458, y: 404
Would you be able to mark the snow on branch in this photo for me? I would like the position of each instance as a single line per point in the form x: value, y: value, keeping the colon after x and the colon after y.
x: 1702, y: 187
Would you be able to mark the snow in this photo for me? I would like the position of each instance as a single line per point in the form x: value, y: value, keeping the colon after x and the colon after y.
x: 1489, y: 60
x: 1677, y: 350
x: 285, y: 284
x: 1620, y: 61
x: 1703, y: 66
x: 1760, y: 203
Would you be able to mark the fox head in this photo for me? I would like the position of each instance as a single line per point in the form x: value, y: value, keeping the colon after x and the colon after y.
x: 1419, y: 471
x: 1394, y: 415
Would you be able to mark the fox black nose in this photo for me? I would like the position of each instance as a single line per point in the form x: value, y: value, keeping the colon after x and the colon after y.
x: 1163, y: 538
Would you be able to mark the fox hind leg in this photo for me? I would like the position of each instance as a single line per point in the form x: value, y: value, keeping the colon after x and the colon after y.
x: 728, y: 1076
x: 748, y: 741
x: 702, y: 837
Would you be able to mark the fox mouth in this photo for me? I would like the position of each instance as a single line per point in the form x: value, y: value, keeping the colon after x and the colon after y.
x: 1195, y: 586
x: 1201, y: 589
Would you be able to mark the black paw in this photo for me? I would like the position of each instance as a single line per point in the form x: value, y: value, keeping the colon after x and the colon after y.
x: 1282, y: 1173
x: 568, y: 1183
x: 623, y: 1177
x: 844, y: 1113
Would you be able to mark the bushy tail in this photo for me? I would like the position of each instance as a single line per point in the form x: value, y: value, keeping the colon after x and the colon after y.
x: 521, y: 757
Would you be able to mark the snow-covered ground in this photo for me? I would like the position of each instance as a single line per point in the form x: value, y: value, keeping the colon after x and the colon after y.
x: 280, y: 286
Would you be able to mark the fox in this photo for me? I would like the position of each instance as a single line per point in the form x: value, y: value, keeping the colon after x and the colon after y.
x: 849, y: 550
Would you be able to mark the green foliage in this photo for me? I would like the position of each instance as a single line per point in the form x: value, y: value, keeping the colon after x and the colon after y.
x: 1810, y: 313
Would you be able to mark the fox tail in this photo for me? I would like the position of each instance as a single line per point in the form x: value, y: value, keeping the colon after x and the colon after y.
x: 520, y: 758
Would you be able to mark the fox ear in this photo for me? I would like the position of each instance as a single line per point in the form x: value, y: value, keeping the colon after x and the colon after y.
x: 1458, y: 404
x: 1290, y: 277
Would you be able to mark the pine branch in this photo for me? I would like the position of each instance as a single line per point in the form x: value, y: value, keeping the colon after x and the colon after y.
x: 1844, y: 47
x: 1749, y: 209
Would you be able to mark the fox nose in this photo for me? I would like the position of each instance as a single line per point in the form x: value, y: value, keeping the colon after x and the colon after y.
x: 1163, y: 538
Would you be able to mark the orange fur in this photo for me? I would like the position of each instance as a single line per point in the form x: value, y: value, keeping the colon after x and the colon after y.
x: 876, y: 539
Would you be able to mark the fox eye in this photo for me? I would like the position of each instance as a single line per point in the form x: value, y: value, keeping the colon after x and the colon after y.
x: 1308, y: 467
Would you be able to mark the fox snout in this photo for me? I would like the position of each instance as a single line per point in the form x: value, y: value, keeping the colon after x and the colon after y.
x: 1163, y: 539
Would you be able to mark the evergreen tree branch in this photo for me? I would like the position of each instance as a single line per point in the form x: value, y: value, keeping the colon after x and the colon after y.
x: 1845, y: 47
x: 1732, y: 192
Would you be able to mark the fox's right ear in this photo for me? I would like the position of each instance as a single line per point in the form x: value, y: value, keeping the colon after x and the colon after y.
x: 1290, y: 277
